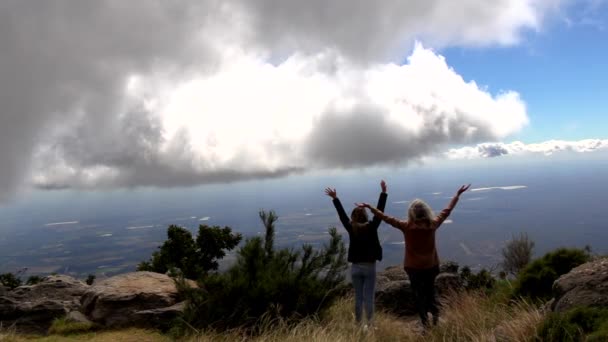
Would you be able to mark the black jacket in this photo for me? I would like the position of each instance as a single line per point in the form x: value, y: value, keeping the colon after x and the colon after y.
x: 364, y: 247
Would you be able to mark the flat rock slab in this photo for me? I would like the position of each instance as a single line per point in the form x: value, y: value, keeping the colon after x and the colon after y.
x: 116, y: 301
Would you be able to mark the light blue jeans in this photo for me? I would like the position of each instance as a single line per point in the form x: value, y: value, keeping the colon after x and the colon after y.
x: 364, y: 281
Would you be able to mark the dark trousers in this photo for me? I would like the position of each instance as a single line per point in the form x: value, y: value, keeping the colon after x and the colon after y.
x: 423, y: 286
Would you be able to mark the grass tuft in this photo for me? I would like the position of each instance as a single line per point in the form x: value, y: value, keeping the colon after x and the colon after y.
x: 64, y: 326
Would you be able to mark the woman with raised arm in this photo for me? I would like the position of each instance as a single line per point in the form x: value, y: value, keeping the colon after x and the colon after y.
x: 363, y: 251
x: 421, y: 260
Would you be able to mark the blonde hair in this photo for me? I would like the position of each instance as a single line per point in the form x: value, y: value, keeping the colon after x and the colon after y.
x: 359, y: 220
x: 419, y: 211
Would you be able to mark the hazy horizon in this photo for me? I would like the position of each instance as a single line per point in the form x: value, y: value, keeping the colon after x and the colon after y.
x: 112, y: 231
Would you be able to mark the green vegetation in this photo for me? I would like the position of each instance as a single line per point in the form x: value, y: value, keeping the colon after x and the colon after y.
x: 193, y: 259
x: 267, y: 284
x: 482, y: 280
x: 536, y: 280
x: 578, y: 324
x: 10, y: 280
x: 33, y: 280
x: 90, y: 279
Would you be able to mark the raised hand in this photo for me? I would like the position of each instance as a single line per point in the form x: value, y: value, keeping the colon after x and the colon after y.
x: 363, y: 205
x: 331, y: 193
x: 463, y: 189
x: 383, y: 186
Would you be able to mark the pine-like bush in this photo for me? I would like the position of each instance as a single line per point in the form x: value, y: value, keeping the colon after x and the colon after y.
x: 266, y: 284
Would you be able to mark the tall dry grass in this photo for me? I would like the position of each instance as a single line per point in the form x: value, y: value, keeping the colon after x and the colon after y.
x: 126, y: 335
x: 466, y: 317
x: 477, y: 317
x: 6, y: 332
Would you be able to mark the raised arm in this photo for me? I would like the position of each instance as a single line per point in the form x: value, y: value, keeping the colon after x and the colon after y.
x: 446, y: 212
x: 341, y: 213
x: 381, y: 204
x: 395, y: 222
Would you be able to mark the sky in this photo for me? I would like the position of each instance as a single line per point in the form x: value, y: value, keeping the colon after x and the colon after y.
x: 119, y: 95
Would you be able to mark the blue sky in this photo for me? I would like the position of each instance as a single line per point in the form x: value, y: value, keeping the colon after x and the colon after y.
x: 560, y: 71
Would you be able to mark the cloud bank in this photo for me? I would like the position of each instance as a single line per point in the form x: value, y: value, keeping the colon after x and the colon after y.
x: 113, y: 94
x: 547, y: 148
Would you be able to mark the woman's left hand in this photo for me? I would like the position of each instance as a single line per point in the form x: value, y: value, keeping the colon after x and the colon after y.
x: 463, y: 189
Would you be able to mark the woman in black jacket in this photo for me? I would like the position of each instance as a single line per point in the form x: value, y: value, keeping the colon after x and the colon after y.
x: 363, y: 251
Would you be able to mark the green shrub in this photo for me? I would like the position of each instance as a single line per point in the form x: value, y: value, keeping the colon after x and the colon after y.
x: 583, y: 323
x: 10, y: 280
x: 90, y: 279
x: 555, y: 328
x: 182, y: 255
x: 266, y: 284
x: 536, y: 280
x: 33, y: 280
x: 601, y: 334
x: 482, y: 280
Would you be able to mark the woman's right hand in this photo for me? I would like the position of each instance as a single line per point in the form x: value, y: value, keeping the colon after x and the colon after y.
x: 331, y: 193
x: 383, y: 186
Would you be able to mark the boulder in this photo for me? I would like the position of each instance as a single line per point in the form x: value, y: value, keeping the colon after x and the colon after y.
x: 396, y: 297
x: 394, y: 292
x: 394, y: 273
x: 161, y: 317
x: 448, y: 283
x: 34, y: 307
x: 585, y: 285
x: 78, y: 317
x: 130, y: 299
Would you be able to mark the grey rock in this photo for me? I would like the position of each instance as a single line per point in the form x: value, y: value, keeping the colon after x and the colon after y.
x: 78, y: 317
x: 396, y: 297
x: 161, y: 317
x: 120, y: 300
x: 34, y: 307
x: 585, y: 285
x: 547, y: 307
x: 394, y: 273
x: 448, y: 283
x: 394, y: 292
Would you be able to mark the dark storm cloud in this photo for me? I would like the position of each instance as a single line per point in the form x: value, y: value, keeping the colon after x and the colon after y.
x: 491, y: 151
x: 364, y: 136
x: 67, y: 60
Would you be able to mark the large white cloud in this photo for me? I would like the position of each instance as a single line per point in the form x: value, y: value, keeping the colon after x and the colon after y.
x: 253, y: 118
x: 113, y: 93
